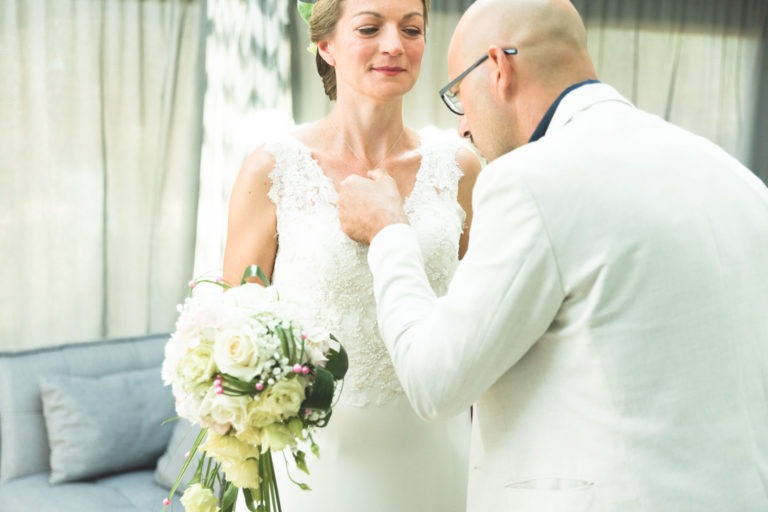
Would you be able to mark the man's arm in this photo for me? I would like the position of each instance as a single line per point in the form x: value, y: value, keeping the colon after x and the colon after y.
x: 503, y: 297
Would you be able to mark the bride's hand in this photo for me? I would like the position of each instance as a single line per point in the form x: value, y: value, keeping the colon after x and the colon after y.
x: 368, y: 205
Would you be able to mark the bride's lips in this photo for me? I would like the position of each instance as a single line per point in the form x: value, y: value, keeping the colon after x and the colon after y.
x: 389, y: 71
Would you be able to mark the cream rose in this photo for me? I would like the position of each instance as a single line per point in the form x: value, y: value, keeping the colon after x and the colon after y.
x: 225, y: 410
x: 199, y: 499
x: 244, y: 473
x: 261, y: 413
x: 227, y: 449
x: 284, y: 398
x: 250, y: 434
x: 275, y: 437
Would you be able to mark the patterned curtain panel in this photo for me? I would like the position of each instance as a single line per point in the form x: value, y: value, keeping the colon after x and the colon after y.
x: 99, y: 156
x: 247, y: 99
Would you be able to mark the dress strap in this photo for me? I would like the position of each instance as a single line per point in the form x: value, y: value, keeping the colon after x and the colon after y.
x: 439, y: 166
x: 298, y: 183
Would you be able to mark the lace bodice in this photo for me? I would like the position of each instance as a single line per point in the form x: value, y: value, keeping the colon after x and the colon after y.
x: 318, y: 266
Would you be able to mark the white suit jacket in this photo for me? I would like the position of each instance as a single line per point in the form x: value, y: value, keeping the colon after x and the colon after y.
x: 609, y: 320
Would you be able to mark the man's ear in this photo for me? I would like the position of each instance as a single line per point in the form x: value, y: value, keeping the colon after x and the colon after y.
x: 504, y: 71
x: 325, y: 49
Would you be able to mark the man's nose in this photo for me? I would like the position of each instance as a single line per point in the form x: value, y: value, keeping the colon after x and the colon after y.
x: 463, y: 129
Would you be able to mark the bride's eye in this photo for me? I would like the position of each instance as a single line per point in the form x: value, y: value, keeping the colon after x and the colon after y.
x: 368, y: 30
x: 412, y: 31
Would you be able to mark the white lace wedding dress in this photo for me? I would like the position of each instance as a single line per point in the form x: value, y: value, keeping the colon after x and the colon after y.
x: 376, y: 455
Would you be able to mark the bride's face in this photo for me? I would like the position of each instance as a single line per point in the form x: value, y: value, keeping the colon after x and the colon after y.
x: 377, y: 47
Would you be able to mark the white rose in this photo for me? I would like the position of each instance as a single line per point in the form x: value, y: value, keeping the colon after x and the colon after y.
x: 251, y: 297
x: 197, y: 322
x: 316, y: 346
x: 197, y: 366
x: 236, y: 352
x: 225, y: 410
x: 188, y: 406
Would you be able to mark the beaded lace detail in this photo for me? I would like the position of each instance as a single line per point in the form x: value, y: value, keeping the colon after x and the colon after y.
x: 318, y: 266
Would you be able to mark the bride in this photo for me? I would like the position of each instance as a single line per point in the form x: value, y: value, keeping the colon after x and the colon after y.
x: 376, y: 455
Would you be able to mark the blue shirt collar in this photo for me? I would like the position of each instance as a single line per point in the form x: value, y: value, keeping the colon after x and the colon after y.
x: 541, y: 129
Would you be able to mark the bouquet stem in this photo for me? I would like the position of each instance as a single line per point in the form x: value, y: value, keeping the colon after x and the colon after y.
x: 269, y: 497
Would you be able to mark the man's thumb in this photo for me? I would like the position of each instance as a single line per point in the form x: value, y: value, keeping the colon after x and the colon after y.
x: 377, y: 174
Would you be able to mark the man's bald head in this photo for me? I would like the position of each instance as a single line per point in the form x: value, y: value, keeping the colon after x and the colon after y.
x: 552, y: 55
x: 550, y: 32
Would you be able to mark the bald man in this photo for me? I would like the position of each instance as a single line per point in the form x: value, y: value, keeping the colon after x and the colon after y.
x: 610, y: 318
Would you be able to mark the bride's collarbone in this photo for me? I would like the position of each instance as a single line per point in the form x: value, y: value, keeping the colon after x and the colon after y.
x: 403, y: 168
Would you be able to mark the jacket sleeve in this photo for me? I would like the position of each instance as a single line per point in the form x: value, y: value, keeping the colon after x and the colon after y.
x: 504, y: 295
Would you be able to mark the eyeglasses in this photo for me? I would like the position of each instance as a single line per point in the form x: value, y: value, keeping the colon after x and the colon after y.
x: 451, y: 97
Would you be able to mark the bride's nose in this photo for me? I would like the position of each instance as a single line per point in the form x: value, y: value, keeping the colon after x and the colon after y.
x: 391, y: 42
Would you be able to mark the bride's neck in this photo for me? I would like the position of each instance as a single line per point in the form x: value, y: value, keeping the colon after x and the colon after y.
x: 367, y: 128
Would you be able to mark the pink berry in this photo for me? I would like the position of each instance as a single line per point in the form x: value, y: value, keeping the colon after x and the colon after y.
x: 297, y: 368
x: 191, y: 284
x: 304, y: 335
x: 305, y: 370
x: 166, y: 502
x: 260, y: 386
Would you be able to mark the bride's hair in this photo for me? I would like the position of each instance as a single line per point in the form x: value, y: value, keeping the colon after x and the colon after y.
x: 322, y: 24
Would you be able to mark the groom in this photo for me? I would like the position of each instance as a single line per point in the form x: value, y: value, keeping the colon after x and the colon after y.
x: 610, y: 318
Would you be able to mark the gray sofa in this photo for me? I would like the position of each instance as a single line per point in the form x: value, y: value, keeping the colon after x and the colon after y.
x: 80, y: 428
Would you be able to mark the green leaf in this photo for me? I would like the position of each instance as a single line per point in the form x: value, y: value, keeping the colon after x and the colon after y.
x: 338, y: 363
x: 198, y: 476
x: 255, y: 271
x: 170, y: 420
x: 229, y: 499
x: 321, y: 394
x: 305, y: 9
x: 301, y: 461
x: 285, y: 343
x: 248, y: 494
x: 187, y: 462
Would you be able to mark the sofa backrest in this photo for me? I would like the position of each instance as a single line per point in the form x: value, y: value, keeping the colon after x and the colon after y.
x: 24, y: 447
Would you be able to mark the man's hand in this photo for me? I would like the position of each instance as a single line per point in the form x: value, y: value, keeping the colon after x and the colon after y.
x: 368, y: 205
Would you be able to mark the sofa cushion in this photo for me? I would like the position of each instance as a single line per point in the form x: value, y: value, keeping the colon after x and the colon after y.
x: 108, y: 424
x: 25, y: 449
x: 128, y: 492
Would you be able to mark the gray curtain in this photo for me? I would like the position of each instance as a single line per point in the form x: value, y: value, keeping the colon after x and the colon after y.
x: 100, y: 106
x: 702, y: 64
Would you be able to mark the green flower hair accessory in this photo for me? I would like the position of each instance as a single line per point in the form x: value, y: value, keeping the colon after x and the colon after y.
x: 305, y: 11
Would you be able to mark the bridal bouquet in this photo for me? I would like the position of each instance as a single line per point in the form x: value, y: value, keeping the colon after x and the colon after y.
x: 243, y: 366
